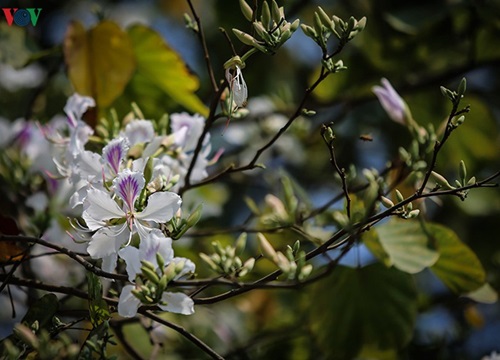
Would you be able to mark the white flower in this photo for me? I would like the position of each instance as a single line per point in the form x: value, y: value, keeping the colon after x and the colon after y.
x: 392, y: 103
x: 237, y: 85
x: 154, y: 242
x: 187, y: 130
x: 139, y: 131
x: 75, y: 107
x: 100, y: 209
x: 149, y: 246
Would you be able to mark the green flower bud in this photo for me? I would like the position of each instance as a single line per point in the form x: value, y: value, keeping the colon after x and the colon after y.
x: 277, y: 12
x: 244, y: 37
x: 240, y: 243
x: 325, y: 19
x: 462, y: 171
x: 209, y: 261
x: 440, y: 180
x: 265, y: 16
x: 246, y: 10
x: 386, y: 202
x: 461, y: 87
x: 305, y: 271
x: 266, y: 248
x: 399, y: 196
x: 413, y: 214
x: 150, y: 275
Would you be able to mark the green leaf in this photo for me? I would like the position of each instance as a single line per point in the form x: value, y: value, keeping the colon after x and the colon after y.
x: 458, y: 267
x: 162, y: 67
x: 371, y: 306
x: 98, y: 308
x: 405, y: 245
x: 100, y: 61
x: 43, y: 310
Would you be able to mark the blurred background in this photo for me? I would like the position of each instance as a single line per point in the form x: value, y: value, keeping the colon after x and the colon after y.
x: 417, y: 45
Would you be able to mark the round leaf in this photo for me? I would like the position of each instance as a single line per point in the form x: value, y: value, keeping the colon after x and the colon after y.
x: 371, y: 306
x: 100, y: 61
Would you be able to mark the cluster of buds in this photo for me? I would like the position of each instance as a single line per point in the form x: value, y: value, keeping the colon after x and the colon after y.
x: 463, y: 181
x: 404, y: 211
x: 292, y: 263
x: 325, y: 26
x: 156, y: 278
x: 181, y: 225
x: 272, y: 30
x: 226, y: 260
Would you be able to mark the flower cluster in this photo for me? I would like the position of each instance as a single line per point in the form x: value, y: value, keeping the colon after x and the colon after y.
x: 126, y: 194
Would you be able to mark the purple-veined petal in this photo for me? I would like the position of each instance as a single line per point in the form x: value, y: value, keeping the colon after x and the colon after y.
x: 128, y: 303
x: 114, y: 153
x: 131, y: 257
x: 99, y: 206
x: 178, y: 303
x: 161, y: 207
x: 128, y: 185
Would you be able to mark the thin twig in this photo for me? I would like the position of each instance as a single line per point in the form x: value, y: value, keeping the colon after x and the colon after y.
x: 192, y: 338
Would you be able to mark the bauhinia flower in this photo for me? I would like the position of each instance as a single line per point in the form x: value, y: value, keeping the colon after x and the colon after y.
x: 116, y: 218
x: 75, y: 108
x: 155, y: 243
x: 392, y: 103
x: 237, y: 86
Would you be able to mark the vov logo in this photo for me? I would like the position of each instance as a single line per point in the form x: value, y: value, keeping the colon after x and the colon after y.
x: 22, y: 17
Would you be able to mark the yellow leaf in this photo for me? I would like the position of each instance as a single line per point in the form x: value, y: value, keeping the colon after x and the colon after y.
x: 164, y: 68
x: 100, y: 61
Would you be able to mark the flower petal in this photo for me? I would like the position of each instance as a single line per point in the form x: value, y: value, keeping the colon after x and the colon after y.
x: 128, y: 185
x: 161, y: 207
x: 128, y: 303
x: 99, y: 206
x: 131, y: 256
x: 107, y: 241
x: 178, y: 303
x: 188, y: 268
x: 156, y: 242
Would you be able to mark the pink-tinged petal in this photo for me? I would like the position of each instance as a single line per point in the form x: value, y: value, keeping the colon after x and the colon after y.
x: 99, y: 206
x: 390, y: 100
x: 131, y: 257
x: 161, y: 207
x: 114, y: 153
x: 178, y: 303
x: 128, y: 185
x: 128, y: 303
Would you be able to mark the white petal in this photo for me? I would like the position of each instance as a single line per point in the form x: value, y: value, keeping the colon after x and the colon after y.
x: 99, y: 206
x: 131, y: 256
x: 107, y: 241
x: 128, y: 303
x: 178, y: 303
x: 109, y: 263
x: 189, y: 267
x: 156, y: 242
x: 161, y: 207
